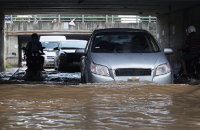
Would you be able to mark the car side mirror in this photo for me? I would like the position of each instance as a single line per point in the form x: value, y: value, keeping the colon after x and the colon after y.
x: 168, y: 51
x: 80, y: 51
x: 56, y: 48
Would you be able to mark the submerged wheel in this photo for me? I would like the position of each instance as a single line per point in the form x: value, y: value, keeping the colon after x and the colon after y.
x: 55, y: 68
x: 83, y: 80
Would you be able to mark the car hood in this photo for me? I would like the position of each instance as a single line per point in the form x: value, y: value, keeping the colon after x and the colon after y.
x: 69, y: 50
x: 127, y: 60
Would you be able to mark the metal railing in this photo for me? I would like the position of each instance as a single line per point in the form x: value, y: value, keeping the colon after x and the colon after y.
x: 80, y: 18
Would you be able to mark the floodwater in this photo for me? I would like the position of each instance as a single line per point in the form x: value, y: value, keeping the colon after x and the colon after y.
x: 114, y: 105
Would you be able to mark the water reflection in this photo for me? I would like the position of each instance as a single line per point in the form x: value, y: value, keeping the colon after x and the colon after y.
x: 122, y: 105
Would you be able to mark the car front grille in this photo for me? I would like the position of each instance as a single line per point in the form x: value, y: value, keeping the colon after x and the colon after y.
x: 133, y: 72
x: 50, y: 57
x: 51, y: 62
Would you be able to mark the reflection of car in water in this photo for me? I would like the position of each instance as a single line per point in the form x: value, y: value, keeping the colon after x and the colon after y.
x: 50, y: 42
x: 123, y: 55
x: 65, y: 53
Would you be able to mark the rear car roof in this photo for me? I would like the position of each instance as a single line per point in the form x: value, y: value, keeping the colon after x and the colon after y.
x: 52, y: 38
x: 72, y: 40
x: 119, y: 30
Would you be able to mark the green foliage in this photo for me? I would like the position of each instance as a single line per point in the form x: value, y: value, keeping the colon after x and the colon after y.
x: 28, y: 20
x: 24, y: 45
x: 8, y: 66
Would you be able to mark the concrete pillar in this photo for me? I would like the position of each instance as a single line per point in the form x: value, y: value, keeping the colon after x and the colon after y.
x: 11, y: 19
x: 58, y: 18
x: 35, y: 18
x: 83, y: 19
x: 113, y: 19
x: 11, y: 51
x: 2, y: 62
x: 106, y: 18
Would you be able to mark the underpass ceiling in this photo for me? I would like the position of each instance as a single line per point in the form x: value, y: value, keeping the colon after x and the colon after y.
x: 129, y: 7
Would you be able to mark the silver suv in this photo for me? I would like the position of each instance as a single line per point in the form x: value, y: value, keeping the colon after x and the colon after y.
x: 121, y: 54
x: 50, y: 42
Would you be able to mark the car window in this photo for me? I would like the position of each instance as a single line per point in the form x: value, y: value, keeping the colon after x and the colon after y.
x: 49, y: 46
x: 73, y: 44
x: 124, y: 42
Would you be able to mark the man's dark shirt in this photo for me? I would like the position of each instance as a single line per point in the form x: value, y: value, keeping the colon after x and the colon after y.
x: 193, y: 43
x: 31, y: 46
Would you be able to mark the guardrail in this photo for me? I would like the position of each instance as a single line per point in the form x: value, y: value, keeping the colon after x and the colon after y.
x: 83, y: 18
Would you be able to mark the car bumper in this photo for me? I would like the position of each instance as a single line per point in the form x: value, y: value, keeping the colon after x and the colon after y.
x: 163, y: 79
x: 48, y: 63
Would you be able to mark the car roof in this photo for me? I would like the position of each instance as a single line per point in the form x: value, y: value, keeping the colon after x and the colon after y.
x: 73, y: 40
x: 52, y: 38
x: 120, y: 30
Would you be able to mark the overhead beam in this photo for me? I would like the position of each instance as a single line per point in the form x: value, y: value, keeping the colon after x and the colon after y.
x: 145, y: 7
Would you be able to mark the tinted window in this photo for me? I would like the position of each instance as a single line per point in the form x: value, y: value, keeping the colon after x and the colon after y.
x: 124, y: 42
x: 73, y: 44
x: 50, y: 45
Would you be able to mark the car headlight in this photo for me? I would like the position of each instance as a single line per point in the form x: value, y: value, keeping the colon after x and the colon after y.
x: 99, y: 69
x: 163, y: 69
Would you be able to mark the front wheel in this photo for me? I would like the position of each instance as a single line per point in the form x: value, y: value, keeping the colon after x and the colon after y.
x: 83, y: 80
x: 55, y: 67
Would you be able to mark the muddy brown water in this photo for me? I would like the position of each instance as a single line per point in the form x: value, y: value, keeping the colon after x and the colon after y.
x: 126, y: 106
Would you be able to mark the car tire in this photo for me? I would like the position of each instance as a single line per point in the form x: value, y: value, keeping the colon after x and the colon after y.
x: 55, y: 68
x: 83, y: 80
x: 59, y: 69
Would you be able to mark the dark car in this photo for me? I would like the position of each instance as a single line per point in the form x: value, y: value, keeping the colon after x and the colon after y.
x: 65, y: 53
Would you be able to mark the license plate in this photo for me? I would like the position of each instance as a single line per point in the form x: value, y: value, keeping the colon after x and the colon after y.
x: 133, y: 79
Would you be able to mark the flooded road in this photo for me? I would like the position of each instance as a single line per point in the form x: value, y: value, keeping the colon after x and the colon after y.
x: 49, y: 76
x: 124, y: 105
x: 60, y: 101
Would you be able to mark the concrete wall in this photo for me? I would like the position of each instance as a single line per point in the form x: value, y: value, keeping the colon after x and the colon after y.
x: 11, y: 52
x: 79, y: 26
x: 171, y: 29
x: 2, y: 62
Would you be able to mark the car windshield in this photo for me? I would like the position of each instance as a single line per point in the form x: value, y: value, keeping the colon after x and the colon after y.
x: 73, y: 44
x: 124, y: 42
x: 49, y: 46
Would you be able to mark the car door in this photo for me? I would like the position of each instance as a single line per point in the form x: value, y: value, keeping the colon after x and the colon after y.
x: 84, y: 58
